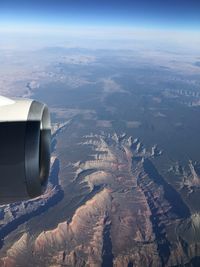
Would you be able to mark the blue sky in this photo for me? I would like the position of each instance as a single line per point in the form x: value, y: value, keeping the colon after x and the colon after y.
x: 99, y: 23
x: 177, y: 14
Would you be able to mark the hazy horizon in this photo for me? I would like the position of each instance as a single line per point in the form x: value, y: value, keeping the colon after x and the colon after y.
x: 105, y: 24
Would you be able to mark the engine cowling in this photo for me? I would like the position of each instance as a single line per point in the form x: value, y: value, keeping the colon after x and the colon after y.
x: 25, y: 139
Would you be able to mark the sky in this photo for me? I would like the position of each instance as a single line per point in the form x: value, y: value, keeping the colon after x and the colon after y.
x: 107, y: 19
x: 143, y: 13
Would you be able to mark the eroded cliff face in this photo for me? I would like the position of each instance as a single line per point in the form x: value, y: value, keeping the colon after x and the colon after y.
x: 133, y: 217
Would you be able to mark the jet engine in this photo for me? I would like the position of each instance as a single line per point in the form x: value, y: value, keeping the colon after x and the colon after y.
x: 25, y: 139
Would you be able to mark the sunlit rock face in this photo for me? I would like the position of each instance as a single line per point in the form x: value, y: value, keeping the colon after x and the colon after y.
x: 88, y: 223
x: 125, y: 169
x: 127, y: 221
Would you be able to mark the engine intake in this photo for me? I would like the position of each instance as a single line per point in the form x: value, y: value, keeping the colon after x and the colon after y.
x: 25, y: 138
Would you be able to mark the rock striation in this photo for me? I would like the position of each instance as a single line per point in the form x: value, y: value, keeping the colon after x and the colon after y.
x: 132, y: 216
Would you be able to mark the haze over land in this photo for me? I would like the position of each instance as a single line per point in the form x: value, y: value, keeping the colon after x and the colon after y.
x: 124, y: 93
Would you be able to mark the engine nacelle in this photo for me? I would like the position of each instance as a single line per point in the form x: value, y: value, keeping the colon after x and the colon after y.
x: 25, y: 139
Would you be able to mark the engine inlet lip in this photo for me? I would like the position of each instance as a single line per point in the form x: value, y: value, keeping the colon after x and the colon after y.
x: 37, y: 149
x: 44, y: 147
